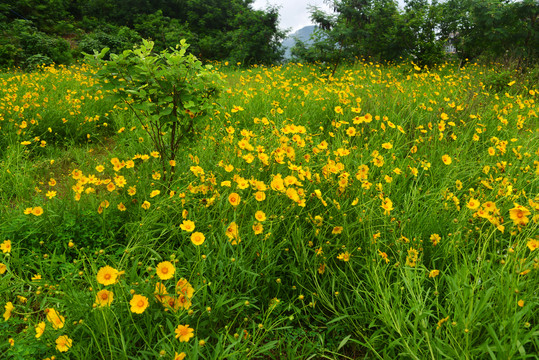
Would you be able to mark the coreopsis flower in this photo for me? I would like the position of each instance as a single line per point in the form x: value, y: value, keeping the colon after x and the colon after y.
x: 258, y: 228
x: 179, y: 356
x: 3, y: 268
x: 138, y: 303
x: 473, y: 204
x: 107, y: 275
x: 155, y: 193
x: 184, y: 287
x: 40, y: 329
x: 104, y: 298
x: 171, y: 303
x: 260, y: 196
x: 8, y: 309
x: 6, y: 246
x: 533, y: 244
x: 55, y: 318
x: 411, y: 258
x: 63, y: 343
x: 519, y: 215
x: 387, y: 205
x: 337, y: 230
x: 37, y: 211
x: 184, y: 302
x: 234, y: 199
x: 184, y: 333
x: 165, y: 270
x: 197, y: 238
x: 232, y: 233
x: 260, y: 216
x: 345, y: 256
x: 145, y: 205
x: 50, y: 194
x: 447, y: 159
x: 187, y: 225
x: 435, y: 238
x: 434, y: 273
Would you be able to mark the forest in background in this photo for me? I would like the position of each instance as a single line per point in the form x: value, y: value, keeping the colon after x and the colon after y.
x: 425, y: 31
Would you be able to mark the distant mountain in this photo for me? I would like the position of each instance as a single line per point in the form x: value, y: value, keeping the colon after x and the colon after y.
x: 303, y: 34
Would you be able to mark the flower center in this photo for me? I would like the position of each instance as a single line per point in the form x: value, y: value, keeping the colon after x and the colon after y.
x: 107, y: 276
x: 140, y: 303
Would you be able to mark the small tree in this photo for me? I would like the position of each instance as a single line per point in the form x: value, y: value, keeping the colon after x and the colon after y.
x: 167, y: 92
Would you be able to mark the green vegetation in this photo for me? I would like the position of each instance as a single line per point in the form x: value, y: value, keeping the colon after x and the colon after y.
x: 36, y: 32
x: 507, y: 31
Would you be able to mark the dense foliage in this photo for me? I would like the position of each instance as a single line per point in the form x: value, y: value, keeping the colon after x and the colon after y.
x: 58, y: 30
x: 424, y: 30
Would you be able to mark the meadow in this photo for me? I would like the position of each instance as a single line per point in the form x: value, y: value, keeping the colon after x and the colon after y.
x: 389, y: 211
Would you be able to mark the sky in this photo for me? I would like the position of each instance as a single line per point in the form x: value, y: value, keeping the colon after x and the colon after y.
x: 294, y: 14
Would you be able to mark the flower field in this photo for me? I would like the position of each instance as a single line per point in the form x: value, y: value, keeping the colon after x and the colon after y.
x: 387, y: 212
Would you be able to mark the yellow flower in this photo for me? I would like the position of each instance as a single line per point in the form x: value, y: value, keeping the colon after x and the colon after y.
x: 121, y: 207
x: 179, y: 356
x: 183, y: 287
x: 40, y: 329
x: 234, y: 199
x: 50, y: 194
x: 187, y: 225
x: 434, y: 273
x: 473, y: 204
x: 447, y: 159
x: 345, y: 256
x: 145, y: 205
x: 532, y: 245
x: 337, y: 230
x: 3, y: 268
x: 104, y: 298
x: 184, y: 333
x: 258, y: 228
x: 165, y: 270
x: 232, y: 233
x: 63, y: 343
x: 197, y: 238
x: 155, y: 193
x: 37, y: 211
x: 260, y: 216
x: 435, y: 238
x: 519, y: 215
x: 387, y: 146
x: 138, y: 303
x: 99, y: 168
x: 107, y: 275
x: 9, y: 308
x: 55, y: 318
x: 387, y: 205
x: 521, y: 303
x: 132, y: 190
x: 6, y: 246
x: 260, y: 196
